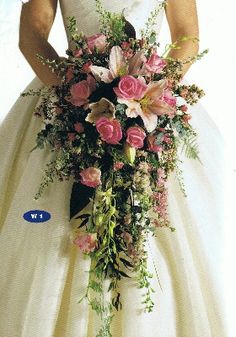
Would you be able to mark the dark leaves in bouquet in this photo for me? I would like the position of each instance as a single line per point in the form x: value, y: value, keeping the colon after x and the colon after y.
x: 126, y: 263
x: 129, y: 30
x: 80, y: 196
x: 105, y: 90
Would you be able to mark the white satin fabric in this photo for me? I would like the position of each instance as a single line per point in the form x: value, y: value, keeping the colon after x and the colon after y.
x: 43, y: 275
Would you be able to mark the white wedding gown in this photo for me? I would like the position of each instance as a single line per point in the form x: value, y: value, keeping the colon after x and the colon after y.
x: 43, y: 275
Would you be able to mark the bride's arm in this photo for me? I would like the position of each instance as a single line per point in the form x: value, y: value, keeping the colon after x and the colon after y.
x: 36, y: 20
x: 183, y: 21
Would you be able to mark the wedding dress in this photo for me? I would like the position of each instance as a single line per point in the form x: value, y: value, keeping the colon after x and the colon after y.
x: 43, y: 275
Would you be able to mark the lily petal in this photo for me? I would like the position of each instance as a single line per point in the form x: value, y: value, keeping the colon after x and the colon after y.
x: 102, y: 74
x: 117, y: 62
x: 160, y: 107
x: 149, y: 120
x: 133, y: 108
x: 102, y: 108
x: 135, y: 63
x: 155, y: 89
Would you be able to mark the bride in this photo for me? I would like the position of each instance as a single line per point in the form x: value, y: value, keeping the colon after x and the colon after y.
x: 42, y: 275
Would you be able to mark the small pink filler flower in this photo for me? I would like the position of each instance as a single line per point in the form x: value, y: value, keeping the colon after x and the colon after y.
x: 91, y: 177
x: 86, y: 242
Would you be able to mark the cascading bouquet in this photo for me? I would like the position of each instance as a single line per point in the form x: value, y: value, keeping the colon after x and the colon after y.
x: 115, y: 124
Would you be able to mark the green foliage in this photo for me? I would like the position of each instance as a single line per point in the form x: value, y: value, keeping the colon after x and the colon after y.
x: 143, y: 282
x: 72, y: 24
x: 190, y: 147
x: 111, y: 24
x: 179, y: 176
x: 48, y: 178
x: 149, y: 32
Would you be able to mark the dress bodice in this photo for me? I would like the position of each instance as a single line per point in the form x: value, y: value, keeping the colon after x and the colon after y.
x: 136, y: 12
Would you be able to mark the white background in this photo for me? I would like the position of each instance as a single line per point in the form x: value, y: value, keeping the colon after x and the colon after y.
x: 215, y: 73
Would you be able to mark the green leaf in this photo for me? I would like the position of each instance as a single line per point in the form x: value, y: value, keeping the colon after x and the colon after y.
x: 83, y: 223
x: 190, y: 147
x: 125, y: 262
x: 82, y: 216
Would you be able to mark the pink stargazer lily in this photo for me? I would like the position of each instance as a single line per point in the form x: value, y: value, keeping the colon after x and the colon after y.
x: 118, y: 66
x: 150, y: 106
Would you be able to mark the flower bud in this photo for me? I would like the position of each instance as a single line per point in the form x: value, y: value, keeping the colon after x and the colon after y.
x: 130, y: 153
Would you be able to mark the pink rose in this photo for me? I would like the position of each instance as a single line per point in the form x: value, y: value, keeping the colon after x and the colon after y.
x: 91, y: 177
x: 152, y: 146
x: 109, y: 130
x: 79, y: 127
x: 86, y: 242
x: 81, y: 91
x: 130, y: 87
x: 169, y: 98
x: 118, y: 165
x: 135, y: 136
x: 155, y: 64
x: 97, y: 41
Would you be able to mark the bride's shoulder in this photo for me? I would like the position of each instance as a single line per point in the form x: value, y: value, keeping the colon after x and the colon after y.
x: 46, y: 5
x: 38, y: 13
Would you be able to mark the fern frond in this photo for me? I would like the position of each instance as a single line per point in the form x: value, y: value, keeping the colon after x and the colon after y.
x: 190, y: 147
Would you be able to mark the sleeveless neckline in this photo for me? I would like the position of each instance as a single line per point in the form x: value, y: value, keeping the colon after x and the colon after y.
x: 136, y: 12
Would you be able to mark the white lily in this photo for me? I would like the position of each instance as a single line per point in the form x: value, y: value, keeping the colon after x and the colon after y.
x: 102, y: 108
x: 118, y: 66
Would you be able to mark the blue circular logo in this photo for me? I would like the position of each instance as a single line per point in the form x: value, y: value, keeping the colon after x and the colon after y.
x: 36, y: 216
